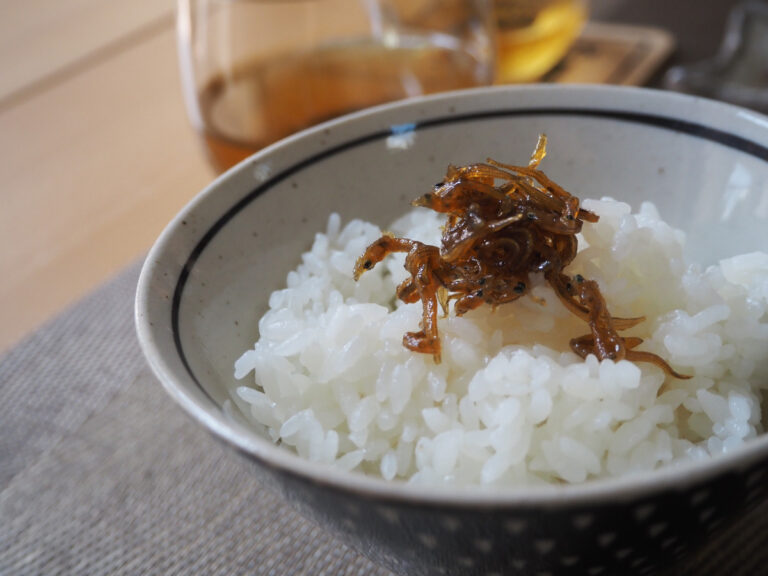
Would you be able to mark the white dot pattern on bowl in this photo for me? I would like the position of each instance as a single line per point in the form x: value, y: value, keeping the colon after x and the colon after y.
x: 635, y: 538
x: 583, y: 521
x: 389, y: 514
x: 451, y: 524
x: 669, y: 542
x: 544, y: 546
x: 714, y: 524
x: 569, y: 560
x: 698, y: 497
x: 706, y: 514
x: 515, y: 527
x: 644, y: 512
x: 352, y: 508
x: 679, y: 551
x: 654, y: 530
x: 428, y: 540
x: 484, y: 545
x: 606, y: 539
x: 349, y: 524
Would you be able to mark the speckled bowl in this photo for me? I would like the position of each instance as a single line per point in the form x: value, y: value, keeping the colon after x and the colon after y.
x: 206, y: 282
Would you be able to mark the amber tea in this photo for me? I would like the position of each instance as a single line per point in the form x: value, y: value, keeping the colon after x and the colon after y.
x: 255, y: 71
x: 269, y: 99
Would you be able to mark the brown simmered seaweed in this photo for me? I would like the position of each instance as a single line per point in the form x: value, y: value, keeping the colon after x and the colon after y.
x: 504, y: 223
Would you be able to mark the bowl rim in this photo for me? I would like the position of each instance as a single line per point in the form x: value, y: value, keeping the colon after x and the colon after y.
x: 205, y: 411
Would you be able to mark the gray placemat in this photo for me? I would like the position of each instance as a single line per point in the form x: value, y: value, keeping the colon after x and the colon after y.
x: 101, y: 474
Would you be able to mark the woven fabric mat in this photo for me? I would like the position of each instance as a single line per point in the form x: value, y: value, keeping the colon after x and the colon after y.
x: 101, y: 474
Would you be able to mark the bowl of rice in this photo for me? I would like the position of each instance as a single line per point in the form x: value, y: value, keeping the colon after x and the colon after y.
x: 513, y: 454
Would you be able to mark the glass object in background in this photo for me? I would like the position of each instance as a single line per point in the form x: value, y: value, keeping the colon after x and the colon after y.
x: 738, y: 73
x: 255, y: 71
x: 534, y: 35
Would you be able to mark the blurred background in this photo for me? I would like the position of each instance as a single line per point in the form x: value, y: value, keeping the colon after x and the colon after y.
x: 110, y: 122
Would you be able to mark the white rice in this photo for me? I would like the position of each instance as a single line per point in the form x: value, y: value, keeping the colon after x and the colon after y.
x: 510, y: 404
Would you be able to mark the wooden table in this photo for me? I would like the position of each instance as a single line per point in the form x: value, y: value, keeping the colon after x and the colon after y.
x: 96, y: 154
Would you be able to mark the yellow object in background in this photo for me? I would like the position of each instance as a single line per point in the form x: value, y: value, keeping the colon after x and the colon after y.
x: 534, y: 35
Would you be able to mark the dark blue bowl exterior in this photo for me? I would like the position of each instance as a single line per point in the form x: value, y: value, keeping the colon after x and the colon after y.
x: 644, y: 534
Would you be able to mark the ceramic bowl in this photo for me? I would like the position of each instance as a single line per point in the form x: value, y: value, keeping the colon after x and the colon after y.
x: 207, y: 280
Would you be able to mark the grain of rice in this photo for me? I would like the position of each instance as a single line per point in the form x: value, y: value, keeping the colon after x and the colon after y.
x: 510, y: 403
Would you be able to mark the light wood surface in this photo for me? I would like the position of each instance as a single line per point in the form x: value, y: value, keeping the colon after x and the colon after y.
x: 96, y: 154
x: 43, y: 39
